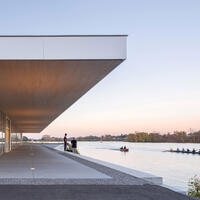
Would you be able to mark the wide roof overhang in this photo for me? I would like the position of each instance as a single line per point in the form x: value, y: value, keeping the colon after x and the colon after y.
x: 42, y: 76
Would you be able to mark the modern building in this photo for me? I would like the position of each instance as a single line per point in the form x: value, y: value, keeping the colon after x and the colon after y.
x: 42, y: 76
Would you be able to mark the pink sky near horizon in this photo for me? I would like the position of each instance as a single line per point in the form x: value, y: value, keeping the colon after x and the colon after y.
x: 160, y: 117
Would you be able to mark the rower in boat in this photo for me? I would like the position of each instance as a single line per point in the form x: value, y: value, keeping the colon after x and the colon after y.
x: 187, y: 151
x: 125, y: 149
x: 193, y: 151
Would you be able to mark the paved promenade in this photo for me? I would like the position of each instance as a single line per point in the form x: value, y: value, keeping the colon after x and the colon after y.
x: 37, y: 172
x: 34, y: 163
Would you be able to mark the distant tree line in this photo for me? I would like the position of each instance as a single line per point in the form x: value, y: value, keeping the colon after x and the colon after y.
x: 49, y: 138
x: 89, y: 138
x: 177, y: 136
x: 121, y: 137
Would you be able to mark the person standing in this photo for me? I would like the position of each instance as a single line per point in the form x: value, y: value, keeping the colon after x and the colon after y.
x: 65, y: 142
x: 74, y: 144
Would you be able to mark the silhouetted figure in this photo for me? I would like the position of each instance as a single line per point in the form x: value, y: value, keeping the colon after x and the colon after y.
x: 74, y: 144
x: 124, y: 147
x: 183, y: 150
x: 194, y: 151
x: 178, y: 150
x: 188, y: 151
x: 65, y: 142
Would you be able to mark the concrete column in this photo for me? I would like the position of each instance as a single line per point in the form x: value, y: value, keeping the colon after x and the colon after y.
x: 21, y: 138
x: 8, y: 136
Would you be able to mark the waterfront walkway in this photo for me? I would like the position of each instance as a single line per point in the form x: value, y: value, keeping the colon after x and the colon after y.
x: 37, y: 172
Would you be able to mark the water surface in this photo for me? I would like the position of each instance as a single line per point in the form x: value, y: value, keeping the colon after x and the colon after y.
x: 175, y: 168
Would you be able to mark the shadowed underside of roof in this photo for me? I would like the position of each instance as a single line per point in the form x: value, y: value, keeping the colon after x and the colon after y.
x: 34, y: 92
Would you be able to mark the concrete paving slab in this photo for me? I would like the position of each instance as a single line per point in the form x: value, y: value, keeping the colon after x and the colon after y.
x: 35, y: 161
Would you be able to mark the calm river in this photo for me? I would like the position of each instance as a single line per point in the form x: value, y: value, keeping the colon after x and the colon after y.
x: 175, y: 168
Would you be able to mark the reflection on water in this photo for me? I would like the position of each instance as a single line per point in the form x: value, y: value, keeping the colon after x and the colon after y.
x: 175, y: 168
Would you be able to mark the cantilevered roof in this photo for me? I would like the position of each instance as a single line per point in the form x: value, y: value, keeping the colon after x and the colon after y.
x: 42, y: 76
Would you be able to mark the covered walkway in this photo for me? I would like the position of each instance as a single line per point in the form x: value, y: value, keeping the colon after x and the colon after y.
x: 42, y: 76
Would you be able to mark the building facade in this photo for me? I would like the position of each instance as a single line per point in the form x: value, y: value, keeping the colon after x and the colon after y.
x: 42, y: 76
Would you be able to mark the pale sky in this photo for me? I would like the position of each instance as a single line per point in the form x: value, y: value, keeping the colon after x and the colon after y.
x: 156, y: 89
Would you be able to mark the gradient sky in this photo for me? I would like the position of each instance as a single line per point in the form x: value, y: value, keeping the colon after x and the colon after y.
x: 156, y: 89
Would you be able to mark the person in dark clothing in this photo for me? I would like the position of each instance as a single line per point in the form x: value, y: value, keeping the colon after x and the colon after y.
x: 65, y: 142
x: 74, y: 144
